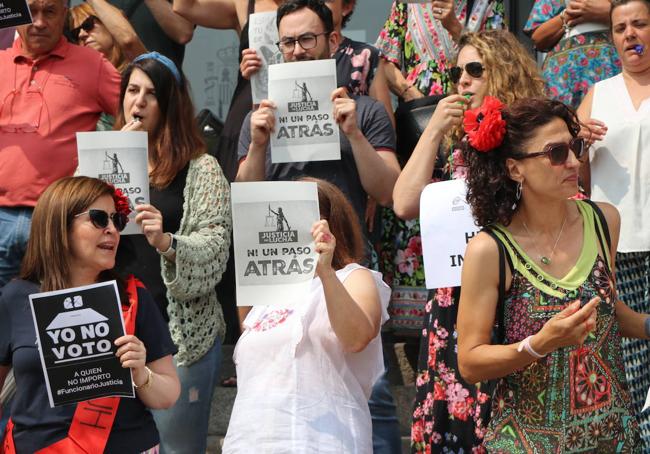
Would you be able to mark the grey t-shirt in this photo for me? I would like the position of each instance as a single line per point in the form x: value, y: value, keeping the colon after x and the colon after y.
x: 375, y: 125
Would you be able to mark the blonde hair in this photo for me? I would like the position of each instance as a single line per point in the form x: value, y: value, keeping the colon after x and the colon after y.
x: 511, y: 72
x: 80, y: 13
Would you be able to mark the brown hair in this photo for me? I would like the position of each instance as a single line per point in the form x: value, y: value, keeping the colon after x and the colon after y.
x: 48, y: 249
x: 177, y: 139
x: 617, y: 3
x: 80, y: 13
x: 490, y: 190
x: 343, y: 222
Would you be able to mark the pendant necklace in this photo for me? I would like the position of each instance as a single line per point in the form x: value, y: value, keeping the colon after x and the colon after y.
x: 542, y: 258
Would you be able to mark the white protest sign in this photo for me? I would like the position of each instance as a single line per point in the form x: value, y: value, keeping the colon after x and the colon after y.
x: 446, y: 225
x: 119, y: 158
x: 76, y: 329
x: 262, y: 36
x: 304, y: 127
x: 14, y: 13
x: 274, y: 249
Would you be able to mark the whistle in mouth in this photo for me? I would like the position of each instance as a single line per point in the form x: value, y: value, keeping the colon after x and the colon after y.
x: 639, y: 49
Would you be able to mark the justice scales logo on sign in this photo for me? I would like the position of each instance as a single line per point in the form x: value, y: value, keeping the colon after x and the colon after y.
x: 76, y: 329
x: 274, y: 254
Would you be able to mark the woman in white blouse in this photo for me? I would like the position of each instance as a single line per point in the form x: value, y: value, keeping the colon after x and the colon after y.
x: 305, y: 372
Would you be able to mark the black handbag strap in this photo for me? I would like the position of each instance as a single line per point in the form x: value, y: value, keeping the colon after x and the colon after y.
x: 503, y: 256
x: 602, y: 229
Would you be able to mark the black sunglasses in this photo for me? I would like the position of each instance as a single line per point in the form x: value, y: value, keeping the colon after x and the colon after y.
x: 100, y: 218
x: 473, y: 68
x: 558, y: 153
x: 87, y: 25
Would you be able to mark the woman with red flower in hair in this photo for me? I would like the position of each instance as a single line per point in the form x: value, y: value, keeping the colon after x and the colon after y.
x: 492, y: 67
x: 543, y: 270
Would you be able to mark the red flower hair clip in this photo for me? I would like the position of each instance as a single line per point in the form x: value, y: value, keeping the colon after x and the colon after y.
x: 121, y: 201
x: 484, y: 126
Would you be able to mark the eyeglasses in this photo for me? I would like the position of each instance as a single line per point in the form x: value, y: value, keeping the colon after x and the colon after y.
x: 473, y: 68
x: 306, y: 40
x: 87, y: 25
x: 558, y: 153
x: 100, y: 218
x: 31, y: 118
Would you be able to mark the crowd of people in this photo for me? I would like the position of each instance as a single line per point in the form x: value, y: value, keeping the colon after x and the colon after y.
x: 542, y: 348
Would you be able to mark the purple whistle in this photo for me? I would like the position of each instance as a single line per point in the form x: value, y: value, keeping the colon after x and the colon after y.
x: 639, y: 49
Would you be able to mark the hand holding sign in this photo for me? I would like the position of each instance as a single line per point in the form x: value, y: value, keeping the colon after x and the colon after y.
x: 263, y: 124
x: 132, y: 354
x: 151, y: 221
x: 324, y: 245
x: 345, y: 111
x: 250, y: 63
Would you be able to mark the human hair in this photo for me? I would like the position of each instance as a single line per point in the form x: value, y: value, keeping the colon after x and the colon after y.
x: 317, y: 6
x: 80, y: 13
x: 617, y: 3
x: 48, y: 252
x: 490, y: 191
x: 176, y: 139
x: 343, y: 223
x: 346, y: 19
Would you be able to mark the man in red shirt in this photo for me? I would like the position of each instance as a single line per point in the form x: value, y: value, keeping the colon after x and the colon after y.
x: 49, y: 90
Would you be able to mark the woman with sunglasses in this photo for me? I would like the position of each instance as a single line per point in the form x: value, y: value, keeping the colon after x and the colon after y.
x: 618, y: 171
x: 543, y: 270
x: 454, y: 412
x: 74, y: 236
x: 184, y: 249
x: 103, y: 27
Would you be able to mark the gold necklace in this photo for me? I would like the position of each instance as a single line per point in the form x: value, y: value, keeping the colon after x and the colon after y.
x: 542, y: 258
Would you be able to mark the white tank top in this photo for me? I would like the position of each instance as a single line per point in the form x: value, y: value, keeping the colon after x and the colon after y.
x: 620, y: 164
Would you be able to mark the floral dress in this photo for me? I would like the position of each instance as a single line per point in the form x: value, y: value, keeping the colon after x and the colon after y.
x: 576, y: 398
x: 576, y: 62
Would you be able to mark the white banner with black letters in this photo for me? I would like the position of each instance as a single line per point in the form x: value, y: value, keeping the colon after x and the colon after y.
x: 75, y: 330
x: 119, y: 158
x: 305, y: 129
x: 263, y: 36
x: 446, y: 225
x: 274, y: 249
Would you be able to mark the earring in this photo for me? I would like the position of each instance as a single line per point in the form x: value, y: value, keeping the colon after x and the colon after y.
x: 517, y: 196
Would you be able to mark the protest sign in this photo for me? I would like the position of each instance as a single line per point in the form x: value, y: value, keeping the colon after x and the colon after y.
x: 446, y: 225
x: 262, y: 36
x: 119, y: 158
x: 75, y: 331
x: 274, y: 249
x: 14, y: 13
x: 305, y: 129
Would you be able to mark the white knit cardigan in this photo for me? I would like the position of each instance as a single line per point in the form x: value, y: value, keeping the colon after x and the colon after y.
x: 203, y: 239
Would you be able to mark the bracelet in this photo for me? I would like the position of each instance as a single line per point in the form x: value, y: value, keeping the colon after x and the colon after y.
x: 148, y: 382
x: 170, y: 250
x: 647, y: 326
x: 525, y: 345
x: 408, y: 86
x: 565, y: 26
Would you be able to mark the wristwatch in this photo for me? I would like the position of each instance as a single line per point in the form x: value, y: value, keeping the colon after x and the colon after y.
x: 171, y: 250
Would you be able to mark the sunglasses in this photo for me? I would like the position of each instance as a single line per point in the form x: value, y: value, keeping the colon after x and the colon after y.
x: 473, y: 68
x: 100, y: 218
x: 558, y: 153
x: 87, y: 25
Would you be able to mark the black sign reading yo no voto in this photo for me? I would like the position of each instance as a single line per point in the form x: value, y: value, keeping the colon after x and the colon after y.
x: 14, y: 13
x: 76, y: 329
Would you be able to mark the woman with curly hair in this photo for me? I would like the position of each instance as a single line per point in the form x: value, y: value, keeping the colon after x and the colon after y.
x: 450, y: 412
x: 543, y: 269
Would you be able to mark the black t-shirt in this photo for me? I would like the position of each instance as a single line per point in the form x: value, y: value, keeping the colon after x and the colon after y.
x: 375, y: 125
x: 136, y: 256
x: 356, y: 65
x: 36, y: 424
x: 152, y: 35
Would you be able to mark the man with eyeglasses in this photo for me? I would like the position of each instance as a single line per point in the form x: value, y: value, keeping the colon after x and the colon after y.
x: 49, y: 90
x: 368, y: 165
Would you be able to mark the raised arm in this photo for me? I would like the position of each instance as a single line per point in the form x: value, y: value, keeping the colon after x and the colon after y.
x: 174, y: 25
x: 120, y: 28
x: 478, y: 359
x: 380, y: 91
x: 254, y: 139
x: 353, y: 306
x: 221, y: 14
x: 378, y: 169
